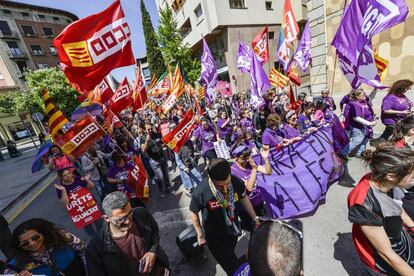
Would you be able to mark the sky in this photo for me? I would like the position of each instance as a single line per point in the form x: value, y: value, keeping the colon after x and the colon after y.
x: 83, y: 8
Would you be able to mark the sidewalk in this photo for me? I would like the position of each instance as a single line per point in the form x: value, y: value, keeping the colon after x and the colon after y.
x: 16, y: 175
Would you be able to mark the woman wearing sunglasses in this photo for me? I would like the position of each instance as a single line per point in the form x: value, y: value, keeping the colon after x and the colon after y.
x: 329, y: 101
x: 382, y: 231
x: 39, y: 247
x: 290, y: 127
x: 246, y: 169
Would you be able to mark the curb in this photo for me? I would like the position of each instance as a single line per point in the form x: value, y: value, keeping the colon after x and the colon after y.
x: 24, y: 194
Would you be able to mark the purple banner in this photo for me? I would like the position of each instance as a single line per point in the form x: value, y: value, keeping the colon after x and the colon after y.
x: 301, y: 175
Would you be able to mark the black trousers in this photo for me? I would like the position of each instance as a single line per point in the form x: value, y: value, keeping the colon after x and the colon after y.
x: 389, y: 129
x: 223, y: 252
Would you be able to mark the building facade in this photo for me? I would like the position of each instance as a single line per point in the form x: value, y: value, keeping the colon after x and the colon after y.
x: 145, y: 72
x: 26, y: 42
x: 224, y: 22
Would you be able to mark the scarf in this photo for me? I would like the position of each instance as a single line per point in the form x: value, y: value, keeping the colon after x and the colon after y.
x: 228, y: 206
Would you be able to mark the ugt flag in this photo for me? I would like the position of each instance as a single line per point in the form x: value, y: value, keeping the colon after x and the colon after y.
x: 244, y: 58
x: 90, y: 48
x: 208, y: 76
x: 302, y: 56
x: 259, y: 82
x: 176, y: 138
x: 260, y: 45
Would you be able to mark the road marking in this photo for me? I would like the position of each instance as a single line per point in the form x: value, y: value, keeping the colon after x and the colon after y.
x: 27, y: 202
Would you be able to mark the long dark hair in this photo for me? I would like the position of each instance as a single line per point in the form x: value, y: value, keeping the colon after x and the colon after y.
x: 402, y: 127
x: 53, y: 238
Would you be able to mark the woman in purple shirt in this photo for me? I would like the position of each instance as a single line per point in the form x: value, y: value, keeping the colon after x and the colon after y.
x: 272, y: 136
x: 361, y: 119
x: 290, y: 127
x: 224, y: 127
x: 246, y: 169
x: 208, y: 136
x: 329, y: 101
x: 395, y: 106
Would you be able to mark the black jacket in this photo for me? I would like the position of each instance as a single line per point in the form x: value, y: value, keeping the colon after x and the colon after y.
x: 103, y: 257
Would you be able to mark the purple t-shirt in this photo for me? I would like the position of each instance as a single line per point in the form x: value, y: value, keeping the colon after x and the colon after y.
x: 77, y: 184
x: 271, y: 138
x: 122, y: 174
x: 394, y: 102
x: 223, y: 131
x: 246, y: 123
x: 360, y: 109
x: 207, y: 137
x: 329, y: 102
x: 244, y: 174
x: 290, y: 132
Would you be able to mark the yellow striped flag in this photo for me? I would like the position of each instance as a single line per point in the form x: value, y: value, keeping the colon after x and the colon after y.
x: 56, y: 119
x: 277, y: 79
x: 382, y: 66
x: 201, y: 93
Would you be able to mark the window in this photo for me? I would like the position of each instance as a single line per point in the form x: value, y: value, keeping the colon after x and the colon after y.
x: 271, y: 35
x: 22, y: 66
x: 146, y: 72
x: 15, y: 51
x: 43, y: 65
x: 53, y: 51
x: 237, y: 4
x: 1, y: 76
x: 55, y: 18
x: 269, y: 5
x: 48, y: 31
x: 42, y: 16
x: 13, y: 45
x: 68, y: 21
x: 4, y: 28
x: 198, y: 12
x: 6, y: 12
x: 25, y: 14
x: 37, y: 50
x: 28, y: 30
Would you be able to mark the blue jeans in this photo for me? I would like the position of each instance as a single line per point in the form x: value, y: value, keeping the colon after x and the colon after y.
x: 358, y: 139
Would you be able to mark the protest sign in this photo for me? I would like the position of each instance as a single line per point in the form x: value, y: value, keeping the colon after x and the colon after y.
x: 82, y: 208
x: 301, y: 175
x: 222, y: 150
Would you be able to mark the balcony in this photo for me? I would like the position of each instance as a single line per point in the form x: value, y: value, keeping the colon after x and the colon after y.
x: 29, y: 34
x: 17, y: 54
x: 48, y: 36
x: 9, y: 35
x: 37, y: 53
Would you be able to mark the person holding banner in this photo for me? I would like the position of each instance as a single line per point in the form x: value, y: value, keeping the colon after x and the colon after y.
x: 382, y: 231
x: 42, y: 248
x: 220, y: 199
x: 272, y: 136
x: 361, y: 119
x: 395, y: 106
x: 290, y: 126
x: 246, y: 169
x: 70, y: 184
x: 306, y: 120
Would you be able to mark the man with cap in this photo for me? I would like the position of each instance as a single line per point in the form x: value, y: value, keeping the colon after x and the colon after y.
x: 219, y: 198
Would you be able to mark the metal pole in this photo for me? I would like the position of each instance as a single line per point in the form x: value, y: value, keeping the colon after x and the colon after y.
x: 40, y: 122
x: 30, y: 134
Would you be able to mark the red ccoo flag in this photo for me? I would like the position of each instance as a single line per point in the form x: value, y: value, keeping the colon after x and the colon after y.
x: 176, y: 138
x: 260, y: 45
x: 122, y: 97
x: 139, y: 94
x: 138, y: 179
x: 90, y: 48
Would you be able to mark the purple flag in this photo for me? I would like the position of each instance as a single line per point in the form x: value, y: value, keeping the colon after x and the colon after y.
x: 362, y: 20
x: 208, y: 76
x: 303, y: 52
x: 301, y: 175
x: 259, y: 81
x: 244, y: 57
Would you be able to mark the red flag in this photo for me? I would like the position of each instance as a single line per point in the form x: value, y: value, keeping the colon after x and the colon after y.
x: 139, y: 91
x: 291, y: 28
x: 103, y: 92
x: 177, y: 89
x: 90, y: 48
x: 138, y: 179
x: 122, y: 97
x: 176, y: 138
x: 293, y: 74
x: 291, y: 94
x: 260, y: 45
x: 111, y: 121
x: 81, y: 136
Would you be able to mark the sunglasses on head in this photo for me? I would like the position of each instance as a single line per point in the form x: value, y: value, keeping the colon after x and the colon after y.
x: 26, y: 243
x: 284, y: 224
x: 121, y: 220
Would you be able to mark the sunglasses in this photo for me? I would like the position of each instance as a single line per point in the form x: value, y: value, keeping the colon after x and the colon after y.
x: 122, y: 220
x: 26, y: 243
x: 284, y: 224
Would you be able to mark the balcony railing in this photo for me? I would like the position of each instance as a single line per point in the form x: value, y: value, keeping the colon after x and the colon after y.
x: 10, y: 34
x: 29, y: 34
x: 37, y: 53
x: 17, y: 54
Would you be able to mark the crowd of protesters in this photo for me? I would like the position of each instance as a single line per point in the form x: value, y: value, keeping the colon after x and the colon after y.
x: 126, y: 240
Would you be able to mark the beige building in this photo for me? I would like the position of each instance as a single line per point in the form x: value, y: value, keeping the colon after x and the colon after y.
x: 26, y: 42
x: 222, y: 22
